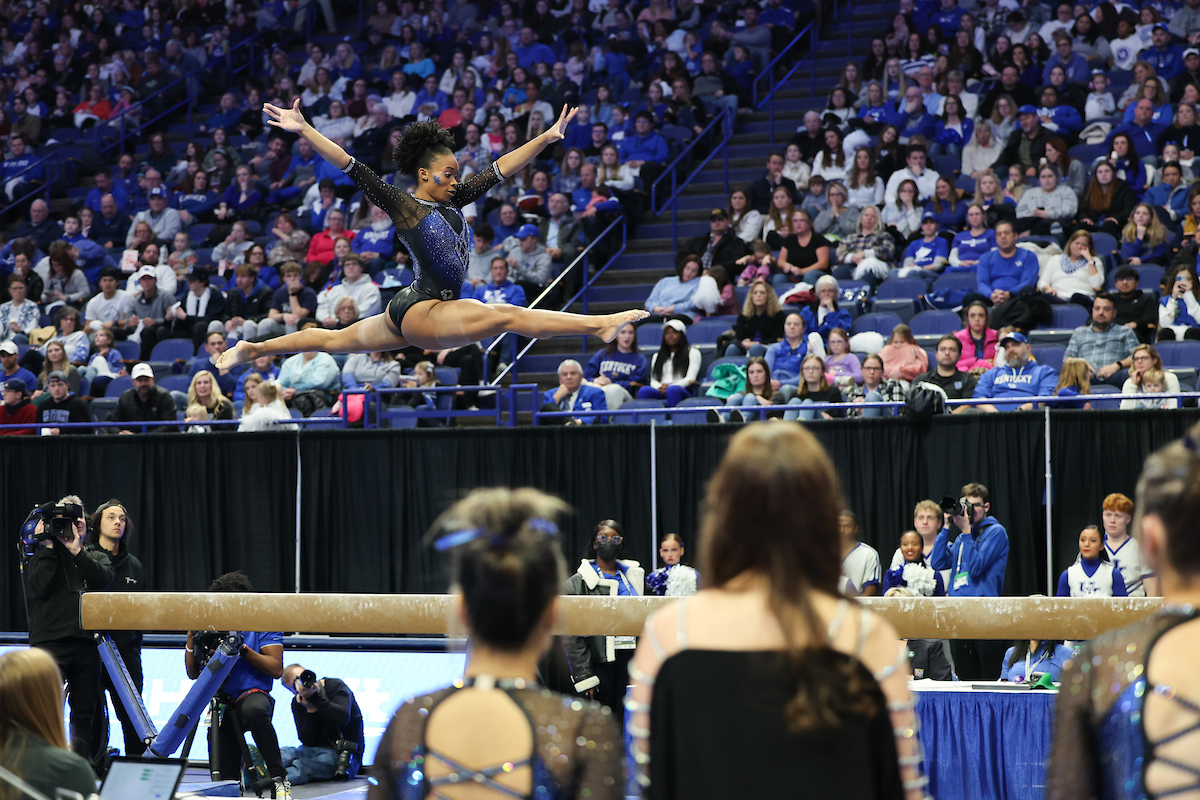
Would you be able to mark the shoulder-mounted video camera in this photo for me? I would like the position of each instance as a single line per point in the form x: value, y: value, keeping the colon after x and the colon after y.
x: 58, y: 522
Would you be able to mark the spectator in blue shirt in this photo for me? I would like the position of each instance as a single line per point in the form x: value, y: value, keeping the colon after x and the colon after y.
x: 1005, y: 271
x: 1064, y: 56
x: 1166, y: 58
x: 1143, y: 132
x: 418, y: 64
x: 105, y: 185
x: 1171, y: 194
x: 227, y: 115
x: 431, y: 101
x: 376, y: 243
x: 644, y: 152
x: 572, y: 394
x: 530, y: 52
x: 911, y: 117
x: 1063, y: 119
x: 1020, y: 377
x: 928, y: 254
x: 785, y: 356
x: 502, y: 290
x: 948, y: 17
x: 17, y: 173
x: 619, y: 369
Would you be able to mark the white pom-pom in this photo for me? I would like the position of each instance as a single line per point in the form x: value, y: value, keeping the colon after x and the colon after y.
x: 681, y: 581
x: 919, y: 579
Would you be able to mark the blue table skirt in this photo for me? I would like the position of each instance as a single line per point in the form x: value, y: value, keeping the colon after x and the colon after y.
x: 986, y: 745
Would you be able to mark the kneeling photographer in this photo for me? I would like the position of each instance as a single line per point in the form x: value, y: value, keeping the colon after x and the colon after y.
x: 58, y: 566
x: 246, y: 692
x: 329, y: 724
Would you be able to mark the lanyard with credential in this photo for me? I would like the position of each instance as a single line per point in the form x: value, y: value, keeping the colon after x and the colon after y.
x: 960, y: 579
x: 1028, y: 668
x: 620, y: 577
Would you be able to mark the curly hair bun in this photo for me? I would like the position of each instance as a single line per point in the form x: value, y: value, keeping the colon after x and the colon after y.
x: 420, y: 143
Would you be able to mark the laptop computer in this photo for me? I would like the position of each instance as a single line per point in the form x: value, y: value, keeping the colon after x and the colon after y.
x: 142, y: 778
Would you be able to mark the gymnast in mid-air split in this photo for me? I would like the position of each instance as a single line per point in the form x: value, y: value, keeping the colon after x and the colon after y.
x: 428, y: 314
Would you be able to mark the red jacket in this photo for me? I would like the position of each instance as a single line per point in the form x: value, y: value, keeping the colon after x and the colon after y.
x: 967, y: 360
x: 24, y: 411
x: 321, y: 246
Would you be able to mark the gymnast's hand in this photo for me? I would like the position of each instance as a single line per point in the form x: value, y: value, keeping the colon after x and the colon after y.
x: 559, y: 129
x: 288, y: 119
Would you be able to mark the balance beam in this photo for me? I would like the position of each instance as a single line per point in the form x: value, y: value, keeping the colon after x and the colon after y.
x: 1008, y: 618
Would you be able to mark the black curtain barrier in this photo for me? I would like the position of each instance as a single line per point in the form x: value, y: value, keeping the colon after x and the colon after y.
x: 204, y: 505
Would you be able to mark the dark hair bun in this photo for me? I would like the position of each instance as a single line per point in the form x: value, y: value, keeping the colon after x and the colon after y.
x: 419, y: 144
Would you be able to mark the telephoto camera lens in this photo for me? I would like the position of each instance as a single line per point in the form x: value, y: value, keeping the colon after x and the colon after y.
x: 346, y: 749
x: 308, y: 678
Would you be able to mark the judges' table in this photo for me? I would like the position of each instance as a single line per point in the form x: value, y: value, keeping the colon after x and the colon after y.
x: 983, y: 744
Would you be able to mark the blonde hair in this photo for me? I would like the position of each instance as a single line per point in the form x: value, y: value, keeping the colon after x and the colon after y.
x: 1074, y: 374
x: 1156, y: 233
x: 253, y: 379
x: 429, y: 370
x: 196, y: 411
x: 216, y: 394
x: 773, y: 306
x: 31, y: 696
x: 268, y: 392
x: 1154, y: 376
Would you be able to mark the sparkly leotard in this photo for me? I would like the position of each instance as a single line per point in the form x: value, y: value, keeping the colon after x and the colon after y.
x: 576, y: 753
x: 436, y: 235
x: 1101, y: 749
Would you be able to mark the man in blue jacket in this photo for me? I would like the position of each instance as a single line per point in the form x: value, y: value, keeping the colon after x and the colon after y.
x: 645, y: 152
x: 572, y: 394
x: 974, y: 547
x: 1166, y: 58
x: 1064, y: 56
x: 502, y: 290
x: 911, y: 117
x: 1008, y: 269
x: 1020, y: 377
x: 1172, y: 193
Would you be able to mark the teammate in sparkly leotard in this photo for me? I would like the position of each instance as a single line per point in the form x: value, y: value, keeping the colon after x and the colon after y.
x: 429, y: 314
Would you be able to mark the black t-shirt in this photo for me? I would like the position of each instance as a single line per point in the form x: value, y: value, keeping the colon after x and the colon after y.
x: 805, y: 256
x: 958, y: 386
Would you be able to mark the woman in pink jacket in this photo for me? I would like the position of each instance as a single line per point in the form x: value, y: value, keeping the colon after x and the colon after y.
x: 903, y: 358
x: 977, y: 339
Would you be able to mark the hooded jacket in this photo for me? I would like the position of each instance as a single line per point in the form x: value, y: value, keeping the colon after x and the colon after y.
x: 584, y: 652
x: 981, y: 556
x: 128, y: 576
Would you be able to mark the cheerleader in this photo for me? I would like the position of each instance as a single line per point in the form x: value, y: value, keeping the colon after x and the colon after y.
x: 913, y: 573
x: 674, y: 579
x: 1091, y: 575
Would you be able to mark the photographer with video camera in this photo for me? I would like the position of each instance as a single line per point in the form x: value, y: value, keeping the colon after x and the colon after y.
x: 329, y: 724
x: 58, y: 566
x: 246, y: 692
x: 974, y: 547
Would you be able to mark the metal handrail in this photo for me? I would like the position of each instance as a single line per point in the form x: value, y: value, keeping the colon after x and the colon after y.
x: 670, y: 170
x: 586, y: 284
x: 497, y: 413
x: 51, y: 164
x: 774, y: 85
x: 761, y: 411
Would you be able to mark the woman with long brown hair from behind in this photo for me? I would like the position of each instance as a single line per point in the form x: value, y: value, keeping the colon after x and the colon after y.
x: 33, y: 741
x: 820, y: 673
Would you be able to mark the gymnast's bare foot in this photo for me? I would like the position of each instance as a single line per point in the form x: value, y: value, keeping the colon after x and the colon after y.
x: 615, y: 322
x: 240, y: 353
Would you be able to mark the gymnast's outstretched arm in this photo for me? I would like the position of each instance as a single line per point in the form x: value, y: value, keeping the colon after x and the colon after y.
x: 292, y: 121
x: 514, y: 162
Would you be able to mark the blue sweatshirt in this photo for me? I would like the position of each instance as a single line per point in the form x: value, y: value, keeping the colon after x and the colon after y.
x: 1031, y: 380
x: 670, y: 291
x: 372, y: 241
x: 620, y: 368
x: 925, y: 254
x: 835, y: 319
x: 1011, y: 274
x: 949, y: 218
x: 1139, y: 249
x: 976, y: 560
x: 651, y: 147
x: 507, y: 292
x: 971, y: 247
x: 924, y: 123
x: 785, y: 361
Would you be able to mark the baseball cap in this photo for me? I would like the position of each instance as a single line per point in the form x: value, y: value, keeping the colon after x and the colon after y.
x: 15, y: 385
x: 675, y: 324
x: 1162, y: 26
x: 1191, y: 51
x: 928, y: 217
x: 1015, y: 336
x: 198, y: 274
x: 1026, y: 109
x: 158, y: 191
x: 10, y: 348
x: 142, y: 371
x: 718, y: 213
x: 146, y: 270
x: 1126, y: 272
x: 528, y: 229
x: 57, y: 375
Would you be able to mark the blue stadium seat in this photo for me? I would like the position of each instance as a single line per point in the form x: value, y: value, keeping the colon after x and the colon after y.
x: 881, y: 323
x: 1179, y: 354
x: 85, y: 387
x: 198, y: 233
x: 172, y: 350
x: 935, y: 323
x: 900, y: 289
x: 176, y: 383
x: 904, y: 308
x: 1105, y: 244
x: 1149, y: 277
x: 965, y: 183
x: 1049, y: 354
x: 650, y: 336
x: 635, y: 419
x: 1106, y: 405
x: 447, y: 376
x: 699, y: 415
x: 129, y: 350
x: 706, y: 331
x: 1087, y: 153
x: 117, y: 386
x: 965, y: 281
x: 1069, y: 315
